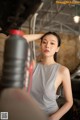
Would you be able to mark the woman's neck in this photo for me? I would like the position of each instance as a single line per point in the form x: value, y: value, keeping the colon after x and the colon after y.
x: 48, y: 60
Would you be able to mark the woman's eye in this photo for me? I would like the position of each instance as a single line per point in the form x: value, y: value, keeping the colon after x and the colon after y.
x: 44, y: 42
x: 52, y: 43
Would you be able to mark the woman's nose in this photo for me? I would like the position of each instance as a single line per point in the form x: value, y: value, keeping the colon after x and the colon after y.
x: 47, y: 45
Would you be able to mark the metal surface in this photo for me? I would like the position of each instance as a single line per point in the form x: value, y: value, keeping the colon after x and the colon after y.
x: 54, y: 16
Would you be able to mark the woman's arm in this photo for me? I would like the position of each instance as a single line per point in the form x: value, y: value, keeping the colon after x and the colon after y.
x: 68, y: 96
x: 32, y: 37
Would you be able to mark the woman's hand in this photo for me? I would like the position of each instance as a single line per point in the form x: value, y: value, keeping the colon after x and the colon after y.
x: 32, y: 37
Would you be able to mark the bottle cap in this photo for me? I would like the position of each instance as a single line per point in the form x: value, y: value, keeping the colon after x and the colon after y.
x: 16, y: 32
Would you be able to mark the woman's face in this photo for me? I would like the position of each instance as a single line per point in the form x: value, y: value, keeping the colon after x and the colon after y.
x: 49, y: 45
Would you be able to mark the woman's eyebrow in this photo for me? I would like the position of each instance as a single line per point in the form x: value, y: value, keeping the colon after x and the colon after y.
x: 45, y: 39
x: 53, y: 41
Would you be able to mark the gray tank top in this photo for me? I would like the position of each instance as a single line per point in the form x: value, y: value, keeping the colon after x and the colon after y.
x: 43, y: 87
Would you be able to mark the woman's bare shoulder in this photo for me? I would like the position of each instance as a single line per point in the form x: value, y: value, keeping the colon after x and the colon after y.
x: 63, y: 69
x: 64, y: 73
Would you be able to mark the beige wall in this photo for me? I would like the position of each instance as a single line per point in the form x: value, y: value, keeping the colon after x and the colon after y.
x: 68, y: 52
x: 2, y: 39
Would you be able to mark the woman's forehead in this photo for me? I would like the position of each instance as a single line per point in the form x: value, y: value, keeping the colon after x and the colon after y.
x: 50, y: 37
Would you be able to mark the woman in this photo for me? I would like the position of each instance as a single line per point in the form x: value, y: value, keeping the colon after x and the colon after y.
x: 48, y: 76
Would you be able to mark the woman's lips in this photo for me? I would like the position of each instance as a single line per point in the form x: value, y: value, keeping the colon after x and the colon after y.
x: 46, y: 51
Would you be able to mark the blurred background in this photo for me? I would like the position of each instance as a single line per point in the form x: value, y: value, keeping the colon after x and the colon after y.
x: 40, y: 16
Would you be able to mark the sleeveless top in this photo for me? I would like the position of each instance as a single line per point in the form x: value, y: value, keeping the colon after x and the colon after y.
x: 43, y: 87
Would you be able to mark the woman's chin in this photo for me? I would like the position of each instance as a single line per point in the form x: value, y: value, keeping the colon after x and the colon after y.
x: 47, y: 55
